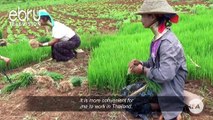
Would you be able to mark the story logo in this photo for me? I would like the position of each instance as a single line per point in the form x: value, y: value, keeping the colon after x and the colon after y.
x: 23, y: 17
x: 196, y: 106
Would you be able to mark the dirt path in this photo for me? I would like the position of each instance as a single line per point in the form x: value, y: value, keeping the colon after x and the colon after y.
x: 13, y: 105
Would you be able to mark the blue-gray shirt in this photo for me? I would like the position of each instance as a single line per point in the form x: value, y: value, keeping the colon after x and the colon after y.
x: 168, y: 68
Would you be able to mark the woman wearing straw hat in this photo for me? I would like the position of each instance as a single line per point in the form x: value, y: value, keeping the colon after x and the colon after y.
x: 167, y: 63
x: 65, y: 39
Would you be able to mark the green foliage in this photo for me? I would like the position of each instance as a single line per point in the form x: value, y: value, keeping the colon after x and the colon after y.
x: 175, y: 0
x: 1, y: 34
x: 44, y: 39
x: 26, y: 79
x: 11, y: 4
x: 55, y: 76
x: 76, y: 81
x: 21, y: 80
x: 90, y: 41
x: 93, y: 29
x: 22, y: 54
x: 11, y: 87
x: 151, y: 85
x: 22, y: 37
x: 10, y: 38
x: 11, y: 77
x: 210, y: 1
x: 108, y: 63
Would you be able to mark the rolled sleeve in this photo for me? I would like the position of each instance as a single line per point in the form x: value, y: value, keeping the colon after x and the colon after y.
x: 168, y: 64
x: 148, y: 63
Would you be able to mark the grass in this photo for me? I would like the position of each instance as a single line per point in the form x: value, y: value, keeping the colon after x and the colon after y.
x: 108, y: 63
x: 76, y: 81
x: 22, y: 80
x: 23, y: 4
x: 150, y: 85
x: 55, y: 76
x: 44, y: 39
x: 22, y: 54
x: 1, y: 35
x: 111, y: 53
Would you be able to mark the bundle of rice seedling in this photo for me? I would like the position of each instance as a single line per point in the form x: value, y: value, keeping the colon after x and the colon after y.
x: 22, y: 80
x: 55, y: 76
x: 150, y: 84
x: 42, y: 70
x: 65, y: 86
x: 34, y: 43
x: 26, y: 79
x: 76, y: 81
x: 11, y: 87
x: 44, y: 81
x: 30, y: 70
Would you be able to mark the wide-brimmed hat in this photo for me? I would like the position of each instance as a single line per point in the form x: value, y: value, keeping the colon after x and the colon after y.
x: 156, y: 6
x: 42, y: 13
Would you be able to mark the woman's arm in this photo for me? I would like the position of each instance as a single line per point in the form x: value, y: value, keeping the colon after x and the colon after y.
x: 168, y: 64
x: 148, y: 63
x: 136, y: 66
x: 52, y: 42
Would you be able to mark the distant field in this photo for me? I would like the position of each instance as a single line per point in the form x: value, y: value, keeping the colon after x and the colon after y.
x: 111, y: 30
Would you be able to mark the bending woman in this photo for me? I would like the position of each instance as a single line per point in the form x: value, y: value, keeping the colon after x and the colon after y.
x: 65, y: 39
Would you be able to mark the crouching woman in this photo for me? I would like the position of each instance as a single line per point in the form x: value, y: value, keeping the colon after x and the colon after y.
x: 65, y: 39
x: 167, y: 64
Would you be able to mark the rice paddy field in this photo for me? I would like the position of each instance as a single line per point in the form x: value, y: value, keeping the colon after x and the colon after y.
x: 111, y: 36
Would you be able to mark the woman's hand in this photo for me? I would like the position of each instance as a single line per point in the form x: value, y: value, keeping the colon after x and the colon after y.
x: 137, y: 69
x: 5, y: 59
x: 134, y: 62
x: 40, y: 44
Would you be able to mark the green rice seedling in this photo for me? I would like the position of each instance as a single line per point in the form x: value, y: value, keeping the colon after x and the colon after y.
x: 44, y: 39
x: 11, y: 38
x: 1, y: 34
x: 55, y: 76
x: 22, y: 37
x: 151, y: 85
x: 4, y: 25
x: 22, y: 54
x: 130, y: 79
x: 21, y: 80
x: 76, y: 81
x: 11, y: 87
x: 26, y: 79
x: 108, y: 62
x: 11, y: 77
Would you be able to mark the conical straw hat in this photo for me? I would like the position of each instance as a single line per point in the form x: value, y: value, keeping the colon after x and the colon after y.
x: 156, y: 6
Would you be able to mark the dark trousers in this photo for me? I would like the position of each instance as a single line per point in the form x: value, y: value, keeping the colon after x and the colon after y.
x: 65, y: 50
